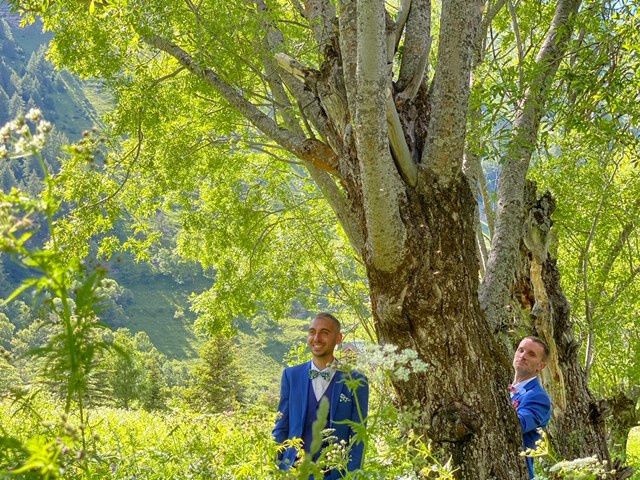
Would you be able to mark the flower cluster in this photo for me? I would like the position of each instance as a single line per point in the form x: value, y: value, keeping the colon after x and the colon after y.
x: 388, y: 359
x: 582, y: 468
x: 336, y: 454
x: 24, y: 136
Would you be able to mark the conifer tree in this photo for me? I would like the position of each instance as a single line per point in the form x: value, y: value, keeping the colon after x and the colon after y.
x: 4, y: 105
x: 217, y: 379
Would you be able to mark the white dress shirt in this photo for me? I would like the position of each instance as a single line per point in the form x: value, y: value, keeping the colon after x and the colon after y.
x: 518, y: 387
x: 319, y: 384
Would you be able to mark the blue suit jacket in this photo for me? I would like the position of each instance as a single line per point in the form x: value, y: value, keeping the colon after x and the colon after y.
x: 294, y: 390
x: 533, y: 407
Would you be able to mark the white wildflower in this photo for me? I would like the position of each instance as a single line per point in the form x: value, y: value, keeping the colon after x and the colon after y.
x: 21, y: 146
x: 402, y: 373
x: 44, y: 126
x: 38, y: 141
x: 34, y: 115
x: 5, y: 130
x: 389, y: 348
x: 418, y: 366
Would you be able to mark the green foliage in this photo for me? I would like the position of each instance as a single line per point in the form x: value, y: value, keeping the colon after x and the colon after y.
x: 6, y: 331
x: 181, y: 444
x: 633, y: 447
x: 264, y: 229
x: 593, y: 175
x: 217, y: 377
x: 133, y: 371
x: 69, y: 292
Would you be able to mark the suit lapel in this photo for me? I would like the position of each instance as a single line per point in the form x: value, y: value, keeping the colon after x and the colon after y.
x: 338, y: 384
x: 531, y: 385
x: 527, y: 387
x: 304, y: 393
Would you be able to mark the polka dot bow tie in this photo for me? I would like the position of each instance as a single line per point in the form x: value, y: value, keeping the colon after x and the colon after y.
x: 326, y: 374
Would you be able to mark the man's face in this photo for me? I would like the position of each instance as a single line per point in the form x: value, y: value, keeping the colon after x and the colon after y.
x: 323, y: 337
x: 528, y: 360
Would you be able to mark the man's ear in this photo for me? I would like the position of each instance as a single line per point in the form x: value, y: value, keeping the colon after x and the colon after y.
x: 339, y: 338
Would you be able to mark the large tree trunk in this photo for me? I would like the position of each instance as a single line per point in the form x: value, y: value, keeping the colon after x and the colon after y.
x: 431, y: 305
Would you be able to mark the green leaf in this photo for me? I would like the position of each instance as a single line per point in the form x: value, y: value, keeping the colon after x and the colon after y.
x: 27, y: 284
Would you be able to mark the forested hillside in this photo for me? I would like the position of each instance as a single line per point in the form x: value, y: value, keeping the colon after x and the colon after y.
x: 28, y: 80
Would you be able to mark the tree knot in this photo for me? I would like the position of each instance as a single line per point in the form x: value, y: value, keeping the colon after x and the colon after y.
x: 319, y: 154
x: 454, y: 423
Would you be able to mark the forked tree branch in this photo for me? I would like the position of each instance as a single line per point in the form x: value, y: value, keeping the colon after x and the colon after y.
x: 313, y: 151
x: 415, y: 54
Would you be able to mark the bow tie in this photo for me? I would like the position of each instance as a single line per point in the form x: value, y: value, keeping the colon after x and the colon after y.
x: 326, y: 374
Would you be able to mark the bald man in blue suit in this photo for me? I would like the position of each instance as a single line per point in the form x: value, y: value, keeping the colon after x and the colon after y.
x: 304, y: 386
x: 529, y: 398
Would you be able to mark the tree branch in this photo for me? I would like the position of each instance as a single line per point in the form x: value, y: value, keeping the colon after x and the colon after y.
x: 348, y: 36
x: 492, y: 11
x: 340, y: 206
x: 311, y: 150
x: 415, y: 54
x: 272, y: 40
x: 619, y: 244
x: 622, y: 286
x: 301, y: 82
x: 321, y: 15
x: 401, y: 20
x: 444, y: 145
x: 473, y: 171
x: 399, y: 147
x: 382, y: 187
x: 294, y: 67
x: 482, y: 247
x: 516, y: 33
x: 496, y: 285
x: 137, y: 149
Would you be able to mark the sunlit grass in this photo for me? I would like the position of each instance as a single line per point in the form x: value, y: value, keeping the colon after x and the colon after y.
x: 125, y: 444
x: 633, y: 451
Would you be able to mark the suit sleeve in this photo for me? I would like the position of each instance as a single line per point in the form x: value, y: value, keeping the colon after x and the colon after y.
x: 359, y: 416
x: 281, y: 430
x: 533, y: 411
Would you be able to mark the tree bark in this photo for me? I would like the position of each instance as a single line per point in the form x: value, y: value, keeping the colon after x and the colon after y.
x: 430, y: 304
x: 622, y: 417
